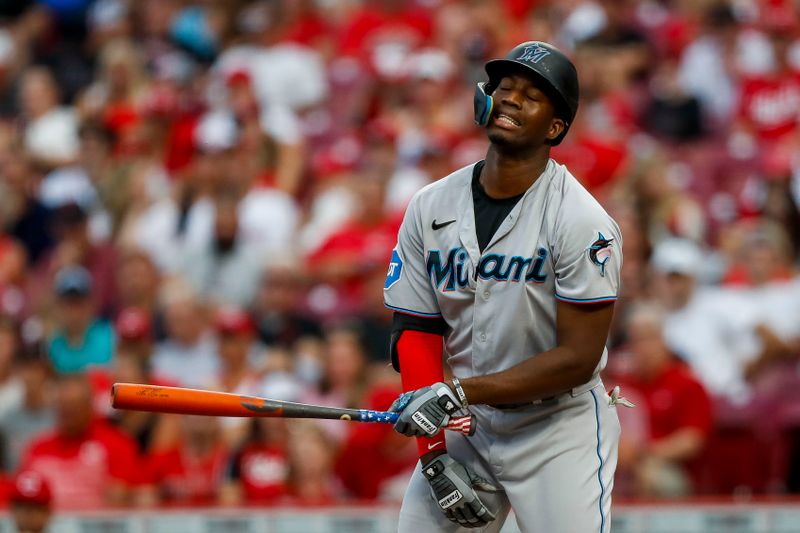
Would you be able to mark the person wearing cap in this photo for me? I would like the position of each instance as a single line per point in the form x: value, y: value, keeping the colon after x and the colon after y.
x: 30, y: 502
x: 134, y: 330
x: 81, y: 339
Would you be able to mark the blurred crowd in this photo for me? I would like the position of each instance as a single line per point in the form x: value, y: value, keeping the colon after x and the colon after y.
x: 206, y: 193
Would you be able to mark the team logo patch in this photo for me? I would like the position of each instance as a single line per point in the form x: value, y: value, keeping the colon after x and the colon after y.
x: 395, y: 269
x: 600, y: 252
x: 534, y: 53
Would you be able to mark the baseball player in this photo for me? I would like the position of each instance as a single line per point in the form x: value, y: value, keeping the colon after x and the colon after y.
x: 514, y: 268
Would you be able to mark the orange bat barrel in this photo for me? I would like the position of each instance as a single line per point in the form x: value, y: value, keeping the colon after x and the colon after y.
x: 141, y: 397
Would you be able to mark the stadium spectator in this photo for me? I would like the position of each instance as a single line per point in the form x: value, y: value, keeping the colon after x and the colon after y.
x: 344, y: 379
x: 86, y: 462
x: 81, y: 339
x: 224, y: 270
x: 75, y: 246
x: 374, y: 462
x: 277, y: 306
x: 260, y: 469
x: 30, y: 501
x: 14, y: 299
x: 23, y: 215
x: 12, y: 388
x: 34, y: 414
x: 51, y: 132
x: 676, y: 406
x: 187, y: 356
x: 311, y: 473
x: 138, y: 280
x: 191, y: 471
x: 134, y: 330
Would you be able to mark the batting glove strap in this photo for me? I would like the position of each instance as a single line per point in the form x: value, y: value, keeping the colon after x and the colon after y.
x: 453, y: 488
x: 424, y: 412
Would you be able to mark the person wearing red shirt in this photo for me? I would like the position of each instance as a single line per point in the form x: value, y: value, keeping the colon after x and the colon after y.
x: 677, y: 407
x: 86, y: 462
x: 260, y: 470
x: 192, y: 471
x: 30, y: 499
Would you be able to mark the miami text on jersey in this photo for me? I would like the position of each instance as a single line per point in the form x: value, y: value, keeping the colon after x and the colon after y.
x: 454, y: 272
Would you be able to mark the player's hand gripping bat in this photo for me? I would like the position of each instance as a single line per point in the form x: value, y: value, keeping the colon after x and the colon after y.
x: 140, y: 397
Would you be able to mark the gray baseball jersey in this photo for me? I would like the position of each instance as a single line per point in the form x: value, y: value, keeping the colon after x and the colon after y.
x: 557, y: 243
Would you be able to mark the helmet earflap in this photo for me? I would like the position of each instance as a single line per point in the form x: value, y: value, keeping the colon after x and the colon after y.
x: 483, y: 103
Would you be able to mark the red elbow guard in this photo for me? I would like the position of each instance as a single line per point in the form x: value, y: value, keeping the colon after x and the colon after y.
x: 420, y: 356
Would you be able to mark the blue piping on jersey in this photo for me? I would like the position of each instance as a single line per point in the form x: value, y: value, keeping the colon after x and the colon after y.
x: 410, y: 312
x: 588, y: 300
x: 600, y: 457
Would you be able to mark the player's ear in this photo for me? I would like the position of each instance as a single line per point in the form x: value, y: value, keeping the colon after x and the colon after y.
x: 557, y: 127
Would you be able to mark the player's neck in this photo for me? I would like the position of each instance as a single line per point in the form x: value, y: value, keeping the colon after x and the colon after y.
x: 504, y: 176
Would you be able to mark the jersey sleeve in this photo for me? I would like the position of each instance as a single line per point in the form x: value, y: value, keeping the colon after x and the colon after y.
x: 587, y: 251
x: 408, y: 289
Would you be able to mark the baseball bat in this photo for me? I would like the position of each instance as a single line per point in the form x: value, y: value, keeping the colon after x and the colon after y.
x: 177, y: 400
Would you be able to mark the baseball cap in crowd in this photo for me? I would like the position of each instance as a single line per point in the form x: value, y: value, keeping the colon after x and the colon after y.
x: 233, y: 321
x: 73, y: 280
x: 677, y: 256
x: 31, y: 487
x: 133, y: 324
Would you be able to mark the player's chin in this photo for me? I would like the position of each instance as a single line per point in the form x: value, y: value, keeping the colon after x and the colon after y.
x: 505, y: 139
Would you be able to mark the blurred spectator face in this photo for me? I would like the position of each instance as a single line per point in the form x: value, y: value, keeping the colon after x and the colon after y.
x: 675, y: 289
x: 9, y: 344
x: 345, y: 359
x: 30, y: 517
x: 38, y: 93
x: 646, y: 342
x: 272, y: 430
x: 137, y: 279
x: 34, y: 372
x: 73, y: 406
x: 280, y: 289
x: 71, y: 224
x: 95, y: 145
x: 369, y: 199
x: 128, y: 367
x: 182, y: 320
x: 310, y: 454
x: 134, y: 330
x: 73, y: 287
x: 200, y: 431
x: 676, y: 263
x: 236, y: 333
x: 30, y: 502
x: 13, y: 261
x: 763, y: 254
x: 226, y: 225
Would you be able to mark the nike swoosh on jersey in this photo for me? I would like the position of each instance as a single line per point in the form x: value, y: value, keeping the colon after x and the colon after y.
x: 435, y: 226
x: 434, y: 445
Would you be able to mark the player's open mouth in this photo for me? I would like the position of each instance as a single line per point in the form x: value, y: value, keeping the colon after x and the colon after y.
x: 505, y: 121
